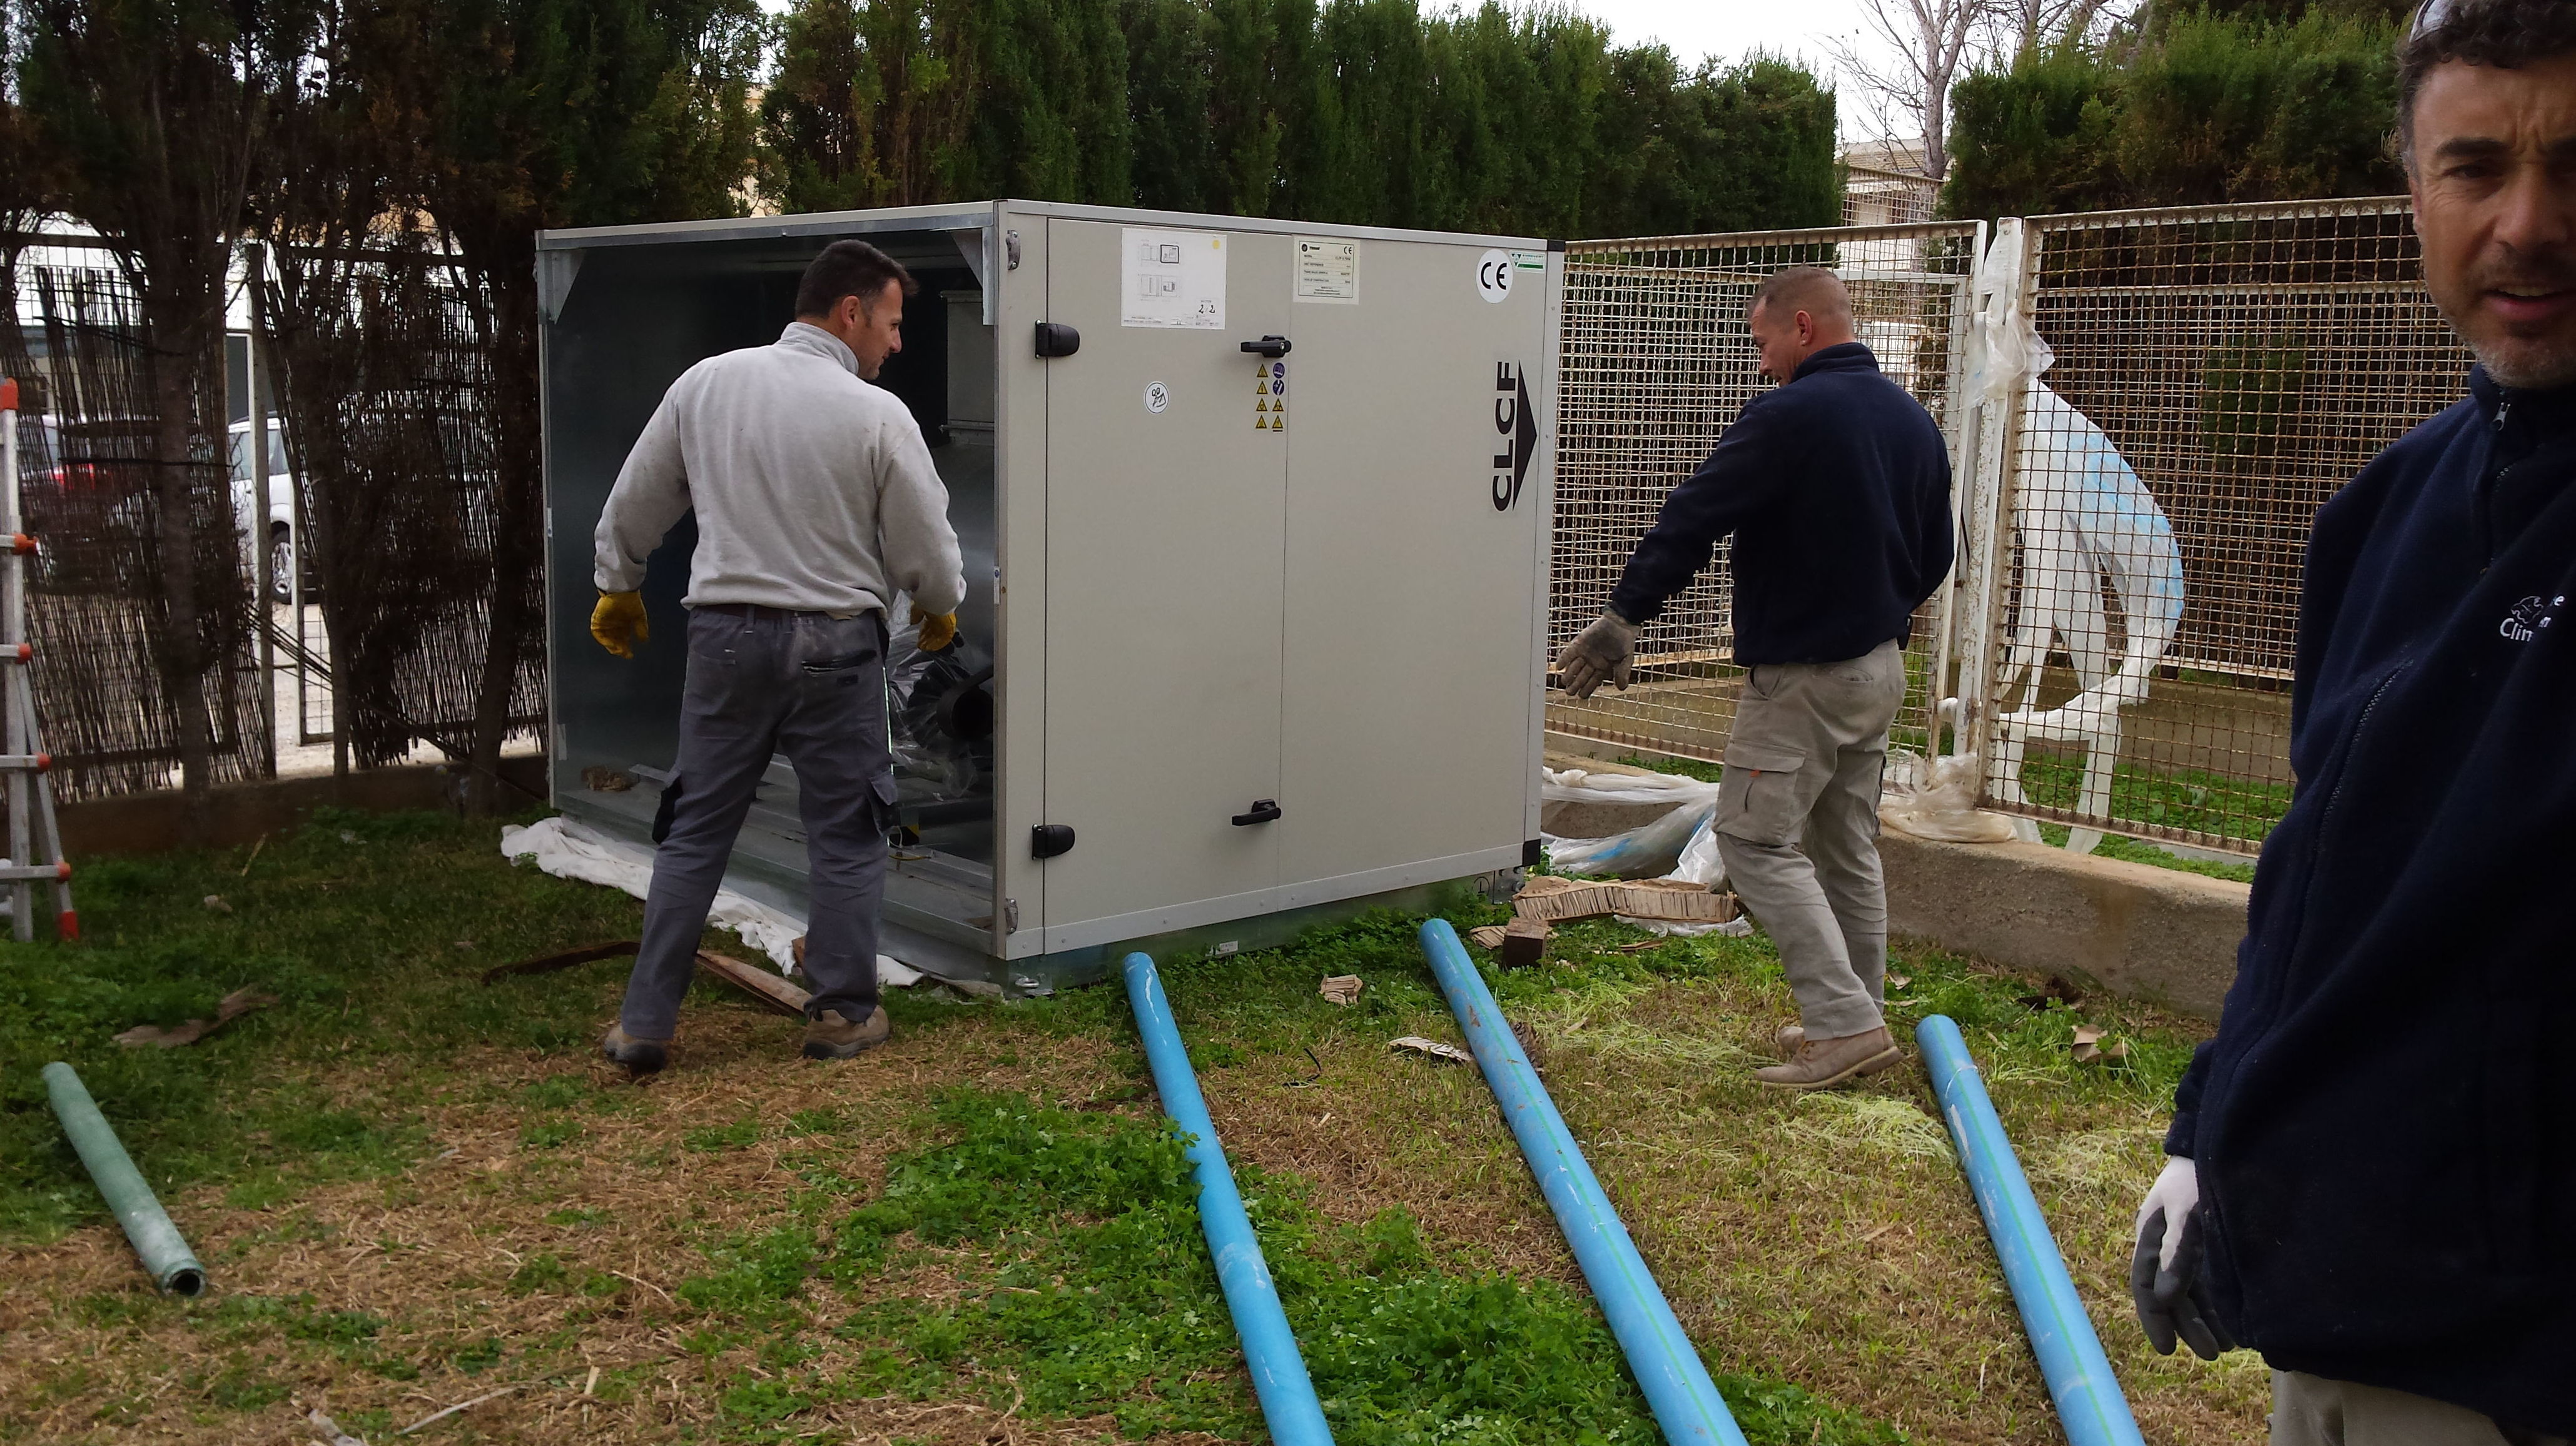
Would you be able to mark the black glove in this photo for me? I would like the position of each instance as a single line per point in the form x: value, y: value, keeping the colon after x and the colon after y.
x: 2166, y: 1281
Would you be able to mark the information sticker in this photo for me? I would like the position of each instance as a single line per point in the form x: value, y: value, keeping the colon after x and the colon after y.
x: 1328, y: 270
x: 1172, y: 278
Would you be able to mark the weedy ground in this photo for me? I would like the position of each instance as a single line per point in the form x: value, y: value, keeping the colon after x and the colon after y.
x: 413, y: 1190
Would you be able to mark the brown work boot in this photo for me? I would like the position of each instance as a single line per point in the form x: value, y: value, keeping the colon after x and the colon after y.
x: 1788, y: 1038
x: 829, y: 1036
x: 640, y: 1056
x: 1823, y: 1063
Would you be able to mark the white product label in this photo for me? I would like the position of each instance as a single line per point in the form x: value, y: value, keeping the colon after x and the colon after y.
x: 1157, y: 396
x: 1172, y: 278
x: 1328, y: 270
x: 1494, y: 275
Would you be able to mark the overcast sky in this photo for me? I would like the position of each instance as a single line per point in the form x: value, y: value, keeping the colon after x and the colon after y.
x: 1729, y: 28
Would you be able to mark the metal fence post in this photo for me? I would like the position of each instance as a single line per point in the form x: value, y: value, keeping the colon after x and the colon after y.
x: 1998, y: 371
x: 255, y: 264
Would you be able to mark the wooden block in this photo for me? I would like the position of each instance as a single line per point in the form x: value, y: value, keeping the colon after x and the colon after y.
x: 1524, y: 941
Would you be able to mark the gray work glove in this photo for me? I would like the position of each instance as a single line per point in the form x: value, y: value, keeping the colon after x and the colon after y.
x: 1600, y: 651
x: 2166, y: 1280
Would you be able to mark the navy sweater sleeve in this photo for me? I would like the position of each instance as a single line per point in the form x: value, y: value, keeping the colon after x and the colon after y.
x: 1737, y: 482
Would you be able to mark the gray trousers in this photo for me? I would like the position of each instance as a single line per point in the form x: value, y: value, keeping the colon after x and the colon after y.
x: 2314, y: 1411
x: 1803, y: 764
x: 812, y: 687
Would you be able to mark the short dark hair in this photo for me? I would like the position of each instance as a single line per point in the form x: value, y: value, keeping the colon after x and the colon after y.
x: 1811, y: 289
x: 2507, y: 34
x: 849, y: 268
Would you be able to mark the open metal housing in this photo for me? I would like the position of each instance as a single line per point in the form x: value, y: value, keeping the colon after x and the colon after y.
x: 1256, y: 524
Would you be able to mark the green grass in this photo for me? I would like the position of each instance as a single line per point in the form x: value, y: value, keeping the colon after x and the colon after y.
x: 1028, y: 1243
x: 358, y: 939
x: 1092, y: 1293
x: 2139, y: 851
x: 2204, y: 802
x: 2201, y: 802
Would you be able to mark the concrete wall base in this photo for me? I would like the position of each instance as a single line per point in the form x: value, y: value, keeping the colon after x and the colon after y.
x: 236, y: 814
x: 2160, y: 935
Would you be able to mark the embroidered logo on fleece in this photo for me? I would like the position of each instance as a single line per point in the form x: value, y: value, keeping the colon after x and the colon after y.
x: 2528, y: 617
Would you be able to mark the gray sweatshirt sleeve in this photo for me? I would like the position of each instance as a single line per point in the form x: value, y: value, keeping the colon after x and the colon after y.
x: 919, y: 547
x: 652, y: 492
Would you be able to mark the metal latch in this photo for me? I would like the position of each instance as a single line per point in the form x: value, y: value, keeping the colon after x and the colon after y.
x: 1263, y: 811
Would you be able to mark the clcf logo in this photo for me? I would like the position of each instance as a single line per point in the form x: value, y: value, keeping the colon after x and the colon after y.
x: 1518, y: 430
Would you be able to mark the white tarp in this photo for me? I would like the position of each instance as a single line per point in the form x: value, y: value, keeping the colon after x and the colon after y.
x: 568, y: 850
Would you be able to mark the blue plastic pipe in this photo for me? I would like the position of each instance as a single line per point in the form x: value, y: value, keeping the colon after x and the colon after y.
x: 1279, y: 1377
x: 2089, y: 1403
x: 1668, y: 1369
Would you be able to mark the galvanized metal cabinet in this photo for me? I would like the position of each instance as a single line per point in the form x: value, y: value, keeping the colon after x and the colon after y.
x: 1300, y: 588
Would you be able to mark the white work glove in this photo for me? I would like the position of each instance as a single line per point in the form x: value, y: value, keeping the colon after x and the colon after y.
x: 2166, y: 1281
x: 1600, y: 651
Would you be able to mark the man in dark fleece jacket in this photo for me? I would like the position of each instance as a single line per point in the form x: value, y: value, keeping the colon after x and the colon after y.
x: 1836, y: 486
x: 2373, y: 1172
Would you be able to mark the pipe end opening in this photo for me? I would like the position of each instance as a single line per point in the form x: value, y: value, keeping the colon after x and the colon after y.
x: 189, y: 1282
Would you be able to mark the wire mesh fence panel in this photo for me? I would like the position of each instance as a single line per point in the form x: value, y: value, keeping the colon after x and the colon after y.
x: 113, y: 676
x: 2217, y: 374
x: 1875, y: 197
x: 1657, y: 362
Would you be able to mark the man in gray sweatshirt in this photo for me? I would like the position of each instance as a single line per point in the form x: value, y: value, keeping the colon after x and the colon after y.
x: 817, y: 505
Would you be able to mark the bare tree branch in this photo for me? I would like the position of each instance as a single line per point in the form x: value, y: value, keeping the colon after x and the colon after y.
x: 1922, y: 46
x: 2018, y: 27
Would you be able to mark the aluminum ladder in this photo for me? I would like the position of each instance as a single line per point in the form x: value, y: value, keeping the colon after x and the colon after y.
x: 35, y: 839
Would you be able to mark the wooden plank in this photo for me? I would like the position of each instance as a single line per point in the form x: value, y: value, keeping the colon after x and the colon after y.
x: 765, y: 985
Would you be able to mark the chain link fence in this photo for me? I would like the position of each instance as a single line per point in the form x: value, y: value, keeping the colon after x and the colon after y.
x: 1656, y: 364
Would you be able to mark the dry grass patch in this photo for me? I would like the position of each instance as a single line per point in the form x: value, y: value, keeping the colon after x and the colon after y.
x: 412, y: 1191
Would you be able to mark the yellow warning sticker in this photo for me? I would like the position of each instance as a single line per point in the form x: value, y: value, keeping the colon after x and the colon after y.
x: 1261, y: 406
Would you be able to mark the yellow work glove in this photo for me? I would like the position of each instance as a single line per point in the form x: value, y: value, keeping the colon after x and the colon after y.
x: 938, y: 630
x: 619, y: 623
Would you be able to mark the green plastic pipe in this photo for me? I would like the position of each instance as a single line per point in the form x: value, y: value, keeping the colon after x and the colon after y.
x: 166, y: 1257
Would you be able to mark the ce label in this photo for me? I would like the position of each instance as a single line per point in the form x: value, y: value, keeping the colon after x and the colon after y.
x: 1494, y: 275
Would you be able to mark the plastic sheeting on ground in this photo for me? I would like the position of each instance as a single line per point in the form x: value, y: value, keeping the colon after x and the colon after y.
x: 569, y: 850
x: 1939, y: 801
x: 1651, y: 850
x: 1680, y: 845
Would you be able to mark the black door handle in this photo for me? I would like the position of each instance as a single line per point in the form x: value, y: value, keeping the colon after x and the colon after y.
x: 1269, y: 346
x: 1263, y: 811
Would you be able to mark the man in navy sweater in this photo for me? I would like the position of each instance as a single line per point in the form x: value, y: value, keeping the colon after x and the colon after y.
x: 1836, y: 486
x: 2373, y: 1166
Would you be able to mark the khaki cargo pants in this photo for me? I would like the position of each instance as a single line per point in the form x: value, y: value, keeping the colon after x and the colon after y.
x: 2314, y: 1411
x: 1803, y: 767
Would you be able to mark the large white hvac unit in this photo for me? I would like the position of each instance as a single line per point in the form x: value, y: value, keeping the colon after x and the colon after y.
x: 1255, y: 517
